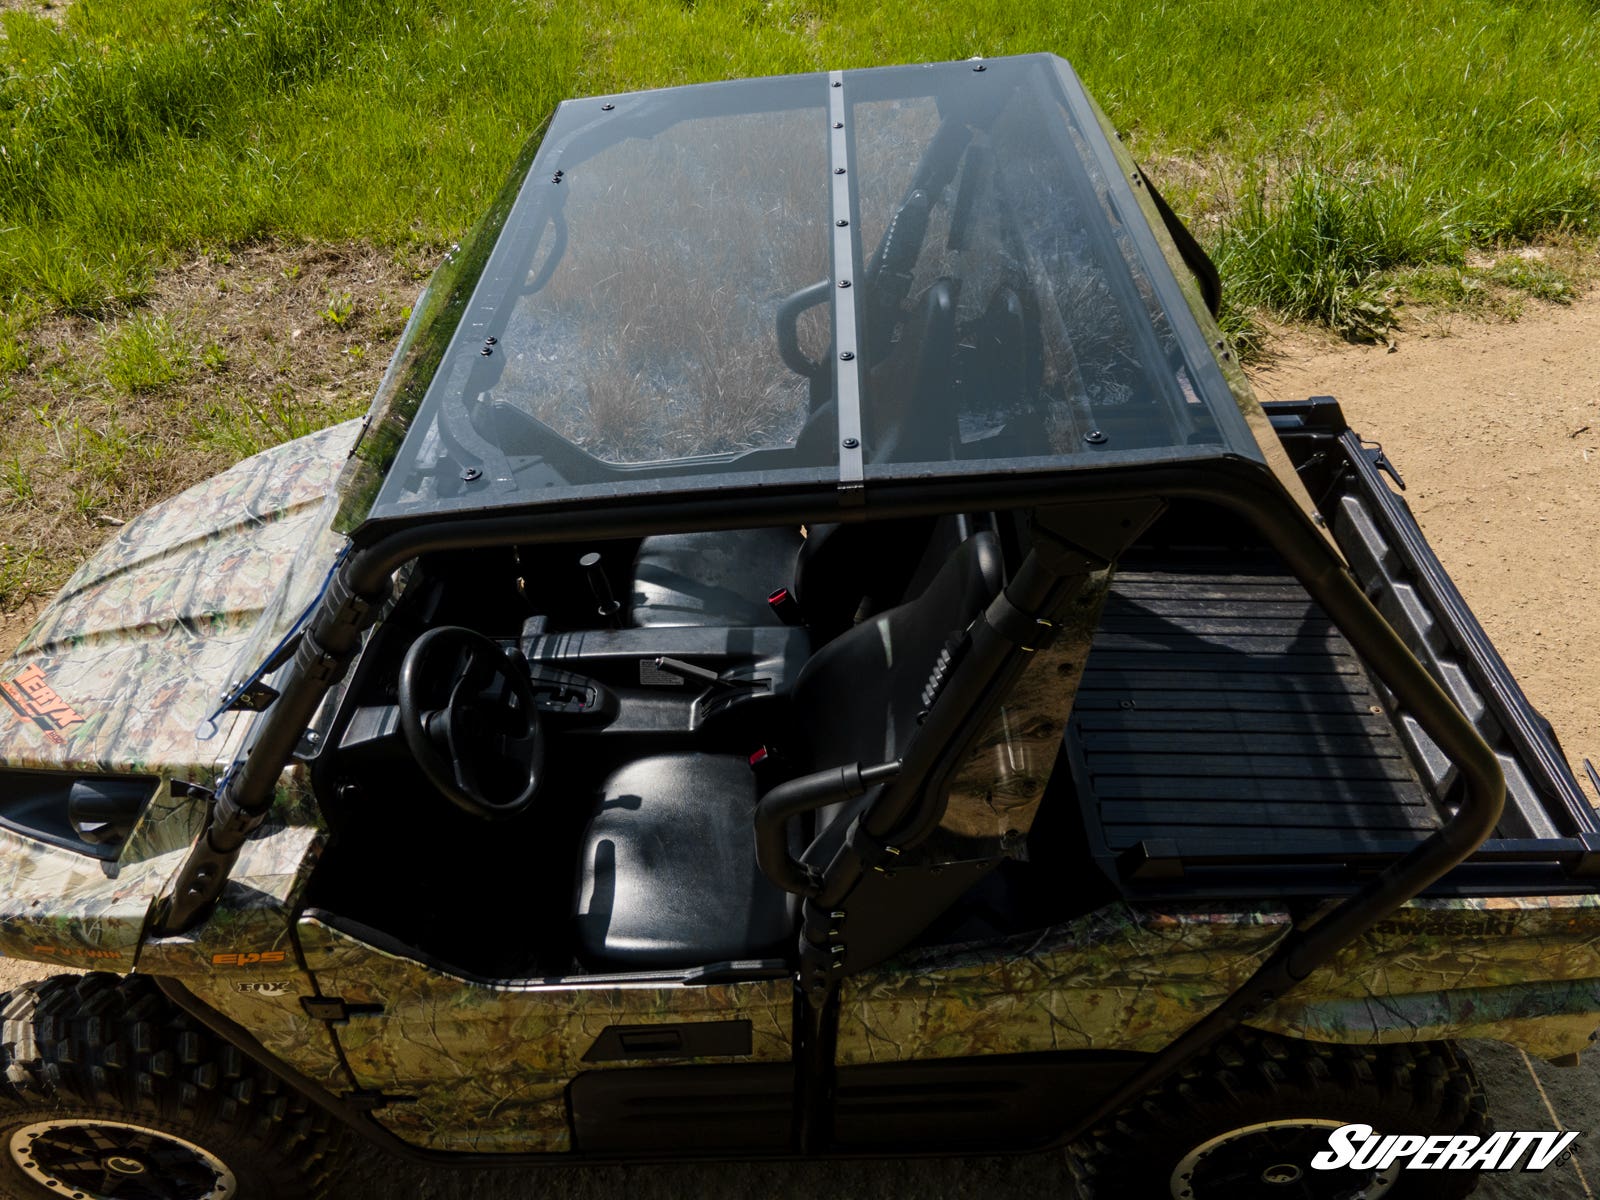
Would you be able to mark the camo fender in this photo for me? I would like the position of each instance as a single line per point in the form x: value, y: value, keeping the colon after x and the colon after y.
x: 1523, y: 970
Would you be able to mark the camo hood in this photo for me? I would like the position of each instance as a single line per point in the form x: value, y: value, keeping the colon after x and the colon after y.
x: 126, y: 663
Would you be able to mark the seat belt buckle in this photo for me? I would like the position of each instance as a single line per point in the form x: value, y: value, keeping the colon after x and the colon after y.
x: 784, y: 606
x: 766, y: 763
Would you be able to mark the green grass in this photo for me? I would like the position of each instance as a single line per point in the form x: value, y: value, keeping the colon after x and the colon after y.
x: 15, y: 568
x: 1346, y: 141
x: 242, y: 425
x: 143, y: 354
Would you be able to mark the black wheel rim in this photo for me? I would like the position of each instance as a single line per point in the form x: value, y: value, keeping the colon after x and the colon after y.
x: 82, y: 1159
x: 1271, y: 1160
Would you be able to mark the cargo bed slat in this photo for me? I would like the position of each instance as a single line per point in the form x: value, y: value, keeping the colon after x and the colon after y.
x: 1222, y: 713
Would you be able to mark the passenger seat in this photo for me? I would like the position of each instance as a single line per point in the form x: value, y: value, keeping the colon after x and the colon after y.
x: 716, y: 579
x: 726, y: 578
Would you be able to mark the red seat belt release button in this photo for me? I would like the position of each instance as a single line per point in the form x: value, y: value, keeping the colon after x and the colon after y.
x: 785, y: 606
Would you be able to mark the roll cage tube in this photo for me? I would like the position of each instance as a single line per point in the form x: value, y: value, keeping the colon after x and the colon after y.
x: 353, y: 600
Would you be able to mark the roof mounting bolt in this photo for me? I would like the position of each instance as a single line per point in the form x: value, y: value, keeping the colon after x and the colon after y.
x: 838, y: 124
x: 486, y: 351
x: 312, y: 737
x: 838, y: 83
x: 1320, y: 521
x: 844, y: 283
x: 471, y: 474
x: 607, y: 106
x: 1095, y: 437
x: 845, y: 355
x: 980, y: 67
x: 850, y: 443
x: 1375, y: 709
x: 490, y: 341
x: 841, y: 222
x: 838, y: 170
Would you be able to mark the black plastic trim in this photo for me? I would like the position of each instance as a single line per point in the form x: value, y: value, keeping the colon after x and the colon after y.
x: 720, y: 972
x: 101, y: 854
x: 52, y: 788
x: 685, y: 1039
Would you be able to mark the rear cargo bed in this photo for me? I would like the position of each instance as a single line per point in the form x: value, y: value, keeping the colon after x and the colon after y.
x: 1227, y: 740
x: 1220, y: 711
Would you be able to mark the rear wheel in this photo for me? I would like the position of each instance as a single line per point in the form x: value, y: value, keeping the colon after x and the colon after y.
x: 1243, y: 1122
x: 112, y: 1094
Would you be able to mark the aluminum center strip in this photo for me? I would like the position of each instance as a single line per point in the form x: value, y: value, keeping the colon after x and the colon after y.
x: 847, y: 276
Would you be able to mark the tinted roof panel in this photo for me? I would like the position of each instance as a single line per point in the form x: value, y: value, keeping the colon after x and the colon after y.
x: 815, y: 281
x: 1008, y: 312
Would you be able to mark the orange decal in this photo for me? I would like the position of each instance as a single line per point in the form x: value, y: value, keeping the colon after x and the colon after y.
x: 247, y: 959
x: 31, y: 698
x: 76, y: 952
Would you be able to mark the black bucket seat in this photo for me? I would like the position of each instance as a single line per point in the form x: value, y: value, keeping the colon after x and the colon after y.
x: 669, y: 876
x: 830, y: 577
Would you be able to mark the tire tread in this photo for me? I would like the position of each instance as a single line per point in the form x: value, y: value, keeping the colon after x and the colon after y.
x: 115, y: 1043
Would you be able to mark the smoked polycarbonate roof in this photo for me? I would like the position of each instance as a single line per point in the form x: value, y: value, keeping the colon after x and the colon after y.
x: 817, y: 280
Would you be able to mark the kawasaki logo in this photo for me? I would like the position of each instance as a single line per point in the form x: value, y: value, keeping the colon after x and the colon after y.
x: 1358, y: 1148
x: 32, y: 698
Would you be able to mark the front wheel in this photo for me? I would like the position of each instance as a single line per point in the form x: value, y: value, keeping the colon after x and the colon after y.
x: 1245, y: 1120
x: 110, y: 1093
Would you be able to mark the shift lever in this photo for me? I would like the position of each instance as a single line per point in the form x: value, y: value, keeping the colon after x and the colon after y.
x: 601, y: 587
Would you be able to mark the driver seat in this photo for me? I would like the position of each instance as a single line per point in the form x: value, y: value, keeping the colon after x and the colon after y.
x: 669, y: 876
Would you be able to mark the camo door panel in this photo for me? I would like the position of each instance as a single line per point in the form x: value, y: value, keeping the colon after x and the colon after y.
x: 1123, y: 977
x: 485, y: 1066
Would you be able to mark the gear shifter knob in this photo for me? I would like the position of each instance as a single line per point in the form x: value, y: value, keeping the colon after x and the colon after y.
x: 601, y: 587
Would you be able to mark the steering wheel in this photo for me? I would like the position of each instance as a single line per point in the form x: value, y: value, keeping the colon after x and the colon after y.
x: 468, y: 714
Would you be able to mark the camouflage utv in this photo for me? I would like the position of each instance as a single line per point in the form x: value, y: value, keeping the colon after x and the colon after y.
x: 815, y: 650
